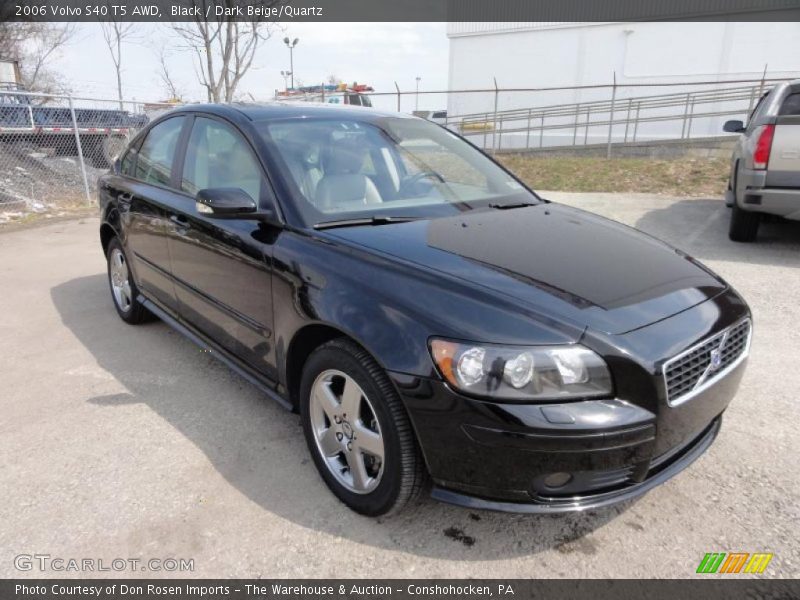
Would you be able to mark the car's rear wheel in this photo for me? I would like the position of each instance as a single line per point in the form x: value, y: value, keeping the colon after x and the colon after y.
x: 357, y: 430
x: 123, y: 289
x: 744, y: 225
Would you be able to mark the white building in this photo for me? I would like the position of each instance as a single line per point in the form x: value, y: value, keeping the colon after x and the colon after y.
x: 543, y: 55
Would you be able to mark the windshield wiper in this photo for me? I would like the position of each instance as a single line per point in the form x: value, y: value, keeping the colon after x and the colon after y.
x: 364, y: 221
x: 511, y: 205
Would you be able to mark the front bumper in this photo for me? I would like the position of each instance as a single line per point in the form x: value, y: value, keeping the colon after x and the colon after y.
x: 756, y: 196
x: 658, y: 473
x: 496, y: 456
x: 510, y: 456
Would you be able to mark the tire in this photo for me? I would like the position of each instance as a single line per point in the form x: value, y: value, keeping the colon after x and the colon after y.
x: 124, y: 292
x: 341, y: 444
x: 744, y: 225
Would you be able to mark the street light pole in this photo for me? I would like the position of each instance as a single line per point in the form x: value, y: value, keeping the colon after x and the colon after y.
x: 416, y: 96
x: 290, y: 44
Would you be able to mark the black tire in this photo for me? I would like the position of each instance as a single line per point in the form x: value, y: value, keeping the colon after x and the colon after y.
x: 403, y: 475
x: 744, y: 225
x: 133, y: 312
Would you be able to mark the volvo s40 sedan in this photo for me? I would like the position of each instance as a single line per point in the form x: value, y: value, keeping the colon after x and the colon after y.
x: 431, y: 319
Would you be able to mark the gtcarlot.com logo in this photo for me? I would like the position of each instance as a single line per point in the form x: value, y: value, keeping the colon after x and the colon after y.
x: 734, y: 562
x: 47, y: 562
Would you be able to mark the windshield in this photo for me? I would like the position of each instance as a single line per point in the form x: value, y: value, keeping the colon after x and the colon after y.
x: 346, y: 169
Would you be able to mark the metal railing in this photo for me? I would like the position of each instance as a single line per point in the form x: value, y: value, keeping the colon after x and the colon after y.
x: 610, y: 114
x: 628, y: 114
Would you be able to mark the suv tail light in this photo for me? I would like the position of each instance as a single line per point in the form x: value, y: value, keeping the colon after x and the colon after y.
x: 763, y: 146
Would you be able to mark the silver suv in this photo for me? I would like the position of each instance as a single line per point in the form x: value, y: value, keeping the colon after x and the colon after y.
x: 765, y: 167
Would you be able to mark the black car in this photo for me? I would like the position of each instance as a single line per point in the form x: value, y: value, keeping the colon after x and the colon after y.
x: 429, y: 317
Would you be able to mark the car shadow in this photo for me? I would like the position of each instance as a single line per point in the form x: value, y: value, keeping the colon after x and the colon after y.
x: 258, y: 447
x: 700, y: 228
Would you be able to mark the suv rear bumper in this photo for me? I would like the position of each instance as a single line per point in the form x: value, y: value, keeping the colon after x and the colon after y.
x: 757, y: 197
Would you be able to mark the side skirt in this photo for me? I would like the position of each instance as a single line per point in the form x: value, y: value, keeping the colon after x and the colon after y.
x: 261, y: 383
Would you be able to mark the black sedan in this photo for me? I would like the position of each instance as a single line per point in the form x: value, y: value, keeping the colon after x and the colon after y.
x: 430, y: 318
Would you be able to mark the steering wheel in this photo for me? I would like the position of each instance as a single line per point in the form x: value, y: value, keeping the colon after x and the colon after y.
x: 411, y: 183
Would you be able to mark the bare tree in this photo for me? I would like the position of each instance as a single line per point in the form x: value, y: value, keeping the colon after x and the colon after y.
x: 167, y: 80
x: 115, y: 34
x: 33, y: 45
x: 224, y: 50
x: 333, y: 79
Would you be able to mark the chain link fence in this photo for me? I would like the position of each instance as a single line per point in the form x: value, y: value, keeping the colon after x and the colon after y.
x: 53, y: 148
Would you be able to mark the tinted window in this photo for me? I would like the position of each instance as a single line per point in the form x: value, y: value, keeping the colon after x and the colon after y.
x: 218, y: 157
x: 154, y: 163
x: 128, y: 161
x: 791, y: 106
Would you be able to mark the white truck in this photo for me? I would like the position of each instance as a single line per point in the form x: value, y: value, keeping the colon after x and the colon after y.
x: 355, y: 95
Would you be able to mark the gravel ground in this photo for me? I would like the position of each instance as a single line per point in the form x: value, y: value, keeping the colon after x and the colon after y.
x: 128, y: 442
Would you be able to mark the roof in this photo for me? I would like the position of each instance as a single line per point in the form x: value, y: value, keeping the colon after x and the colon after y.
x: 288, y: 110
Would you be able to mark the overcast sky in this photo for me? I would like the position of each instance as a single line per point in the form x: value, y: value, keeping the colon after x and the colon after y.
x: 374, y: 53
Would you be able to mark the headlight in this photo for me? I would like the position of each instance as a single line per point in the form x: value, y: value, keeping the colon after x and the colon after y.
x: 522, y: 373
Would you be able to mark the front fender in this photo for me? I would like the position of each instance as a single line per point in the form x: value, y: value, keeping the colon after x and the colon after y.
x: 390, y: 308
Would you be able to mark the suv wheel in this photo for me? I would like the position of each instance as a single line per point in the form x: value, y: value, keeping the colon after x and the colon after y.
x: 744, y: 225
x: 357, y: 430
x: 123, y: 289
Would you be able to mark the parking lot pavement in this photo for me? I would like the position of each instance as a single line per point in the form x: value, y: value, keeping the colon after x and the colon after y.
x: 129, y: 442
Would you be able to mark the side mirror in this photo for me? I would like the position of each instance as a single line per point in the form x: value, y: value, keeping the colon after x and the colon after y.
x: 733, y: 127
x: 224, y: 202
x: 231, y: 203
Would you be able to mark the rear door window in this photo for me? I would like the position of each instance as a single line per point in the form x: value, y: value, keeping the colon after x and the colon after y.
x: 154, y: 161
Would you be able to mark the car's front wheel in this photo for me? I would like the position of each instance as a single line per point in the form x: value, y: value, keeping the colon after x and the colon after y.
x: 357, y: 430
x: 123, y: 289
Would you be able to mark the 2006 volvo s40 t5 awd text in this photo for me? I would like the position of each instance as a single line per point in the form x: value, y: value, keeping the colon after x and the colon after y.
x: 429, y: 317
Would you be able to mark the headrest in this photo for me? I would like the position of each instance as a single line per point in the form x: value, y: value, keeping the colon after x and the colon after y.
x: 343, y: 157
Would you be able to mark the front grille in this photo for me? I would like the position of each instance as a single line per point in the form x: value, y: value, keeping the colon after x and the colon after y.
x: 705, y: 362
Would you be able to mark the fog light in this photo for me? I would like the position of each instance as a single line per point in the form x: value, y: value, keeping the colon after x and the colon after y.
x: 557, y: 480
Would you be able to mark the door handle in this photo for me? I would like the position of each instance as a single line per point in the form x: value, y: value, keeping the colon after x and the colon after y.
x: 179, y: 220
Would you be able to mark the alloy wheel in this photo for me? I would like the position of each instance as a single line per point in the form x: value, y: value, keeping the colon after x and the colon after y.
x: 120, y: 284
x: 346, y: 430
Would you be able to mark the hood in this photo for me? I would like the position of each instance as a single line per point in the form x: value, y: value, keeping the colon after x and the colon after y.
x: 555, y: 259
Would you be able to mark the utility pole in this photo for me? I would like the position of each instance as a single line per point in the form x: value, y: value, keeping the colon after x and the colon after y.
x: 416, y: 96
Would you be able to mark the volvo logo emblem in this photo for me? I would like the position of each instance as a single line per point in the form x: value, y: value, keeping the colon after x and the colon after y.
x: 716, y: 359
